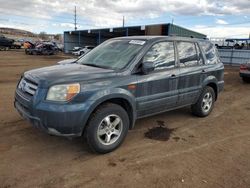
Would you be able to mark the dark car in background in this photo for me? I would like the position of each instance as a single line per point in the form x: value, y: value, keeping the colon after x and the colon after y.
x: 101, y: 95
x: 5, y: 42
x: 245, y: 72
x: 42, y: 49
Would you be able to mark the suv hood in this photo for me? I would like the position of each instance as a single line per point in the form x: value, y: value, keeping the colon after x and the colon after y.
x: 67, y: 73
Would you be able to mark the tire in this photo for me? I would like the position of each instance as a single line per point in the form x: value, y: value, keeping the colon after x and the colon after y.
x: 205, y: 103
x: 246, y: 79
x: 101, y: 138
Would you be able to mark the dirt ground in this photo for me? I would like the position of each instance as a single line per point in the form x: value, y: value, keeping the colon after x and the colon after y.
x: 201, y: 152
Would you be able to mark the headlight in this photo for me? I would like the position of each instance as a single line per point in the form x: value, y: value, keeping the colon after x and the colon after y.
x: 63, y: 92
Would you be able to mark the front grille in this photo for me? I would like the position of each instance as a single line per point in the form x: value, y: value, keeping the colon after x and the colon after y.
x: 27, y: 87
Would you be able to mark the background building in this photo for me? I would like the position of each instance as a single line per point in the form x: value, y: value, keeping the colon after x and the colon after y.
x: 96, y: 36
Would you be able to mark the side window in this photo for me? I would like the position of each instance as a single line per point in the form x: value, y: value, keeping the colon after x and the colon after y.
x: 187, y: 54
x: 210, y: 52
x: 162, y: 55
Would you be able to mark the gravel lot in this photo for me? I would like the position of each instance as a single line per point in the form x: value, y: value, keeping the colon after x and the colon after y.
x: 201, y: 152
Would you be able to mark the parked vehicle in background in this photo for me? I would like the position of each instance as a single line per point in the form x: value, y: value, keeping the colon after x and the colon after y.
x: 42, y: 49
x: 76, y: 48
x: 5, y: 43
x: 59, y: 46
x: 101, y: 95
x: 16, y: 45
x: 28, y: 45
x: 231, y: 43
x: 245, y: 72
x: 83, y: 51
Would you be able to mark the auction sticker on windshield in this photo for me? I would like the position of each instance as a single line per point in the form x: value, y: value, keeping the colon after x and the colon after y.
x: 139, y: 42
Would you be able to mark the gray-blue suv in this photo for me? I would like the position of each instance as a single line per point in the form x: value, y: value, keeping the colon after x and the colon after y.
x: 100, y: 95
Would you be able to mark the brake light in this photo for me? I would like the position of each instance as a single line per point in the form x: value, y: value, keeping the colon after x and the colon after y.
x: 243, y: 67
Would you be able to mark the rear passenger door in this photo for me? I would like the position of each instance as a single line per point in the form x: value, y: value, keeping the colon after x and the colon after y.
x: 213, y: 67
x: 157, y: 91
x: 191, y: 67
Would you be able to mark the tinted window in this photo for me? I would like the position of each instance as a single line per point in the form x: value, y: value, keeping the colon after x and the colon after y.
x: 210, y: 52
x: 162, y: 55
x: 187, y: 54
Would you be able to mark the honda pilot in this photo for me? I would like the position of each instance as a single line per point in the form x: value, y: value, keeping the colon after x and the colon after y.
x: 102, y: 94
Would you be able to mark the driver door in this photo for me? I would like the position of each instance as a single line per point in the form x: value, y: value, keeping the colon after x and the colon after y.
x: 157, y: 91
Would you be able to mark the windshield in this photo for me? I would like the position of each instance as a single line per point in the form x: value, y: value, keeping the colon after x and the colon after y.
x: 114, y: 54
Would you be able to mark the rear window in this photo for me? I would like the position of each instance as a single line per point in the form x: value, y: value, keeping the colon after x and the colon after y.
x: 210, y: 52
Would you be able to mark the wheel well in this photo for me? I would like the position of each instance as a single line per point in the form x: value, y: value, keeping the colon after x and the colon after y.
x: 124, y: 104
x: 214, y: 86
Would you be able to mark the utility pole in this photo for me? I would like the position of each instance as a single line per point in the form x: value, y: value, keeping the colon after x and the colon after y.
x: 123, y: 21
x: 75, y: 19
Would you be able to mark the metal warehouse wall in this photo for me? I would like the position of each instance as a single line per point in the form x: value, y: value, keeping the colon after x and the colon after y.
x: 234, y: 57
x: 70, y: 41
x: 94, y: 37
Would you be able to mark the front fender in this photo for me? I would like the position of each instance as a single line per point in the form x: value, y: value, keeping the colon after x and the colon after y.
x: 108, y: 94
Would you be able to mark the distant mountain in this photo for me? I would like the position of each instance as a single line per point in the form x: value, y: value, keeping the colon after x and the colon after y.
x: 19, y: 32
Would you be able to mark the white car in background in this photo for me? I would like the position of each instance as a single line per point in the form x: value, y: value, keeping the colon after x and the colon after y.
x: 82, y: 51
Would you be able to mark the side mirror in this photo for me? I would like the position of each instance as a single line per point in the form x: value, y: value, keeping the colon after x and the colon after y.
x: 147, y: 67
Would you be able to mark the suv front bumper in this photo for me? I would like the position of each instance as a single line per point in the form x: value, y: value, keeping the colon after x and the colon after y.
x: 66, y: 120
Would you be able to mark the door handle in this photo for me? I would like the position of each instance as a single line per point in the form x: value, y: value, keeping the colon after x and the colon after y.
x: 203, y: 71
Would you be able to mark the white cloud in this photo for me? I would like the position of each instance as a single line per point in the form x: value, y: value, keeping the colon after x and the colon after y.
x: 221, y: 22
x: 109, y: 13
x: 224, y: 31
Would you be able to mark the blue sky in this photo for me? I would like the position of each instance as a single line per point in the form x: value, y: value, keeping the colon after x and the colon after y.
x: 228, y: 18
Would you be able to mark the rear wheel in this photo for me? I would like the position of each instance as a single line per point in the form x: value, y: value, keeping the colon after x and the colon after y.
x: 205, y: 103
x: 246, y: 79
x: 107, y: 128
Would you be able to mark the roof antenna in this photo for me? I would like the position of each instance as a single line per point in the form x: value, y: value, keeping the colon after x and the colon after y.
x: 75, y: 19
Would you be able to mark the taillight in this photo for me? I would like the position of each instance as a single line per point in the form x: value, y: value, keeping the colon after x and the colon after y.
x: 243, y: 67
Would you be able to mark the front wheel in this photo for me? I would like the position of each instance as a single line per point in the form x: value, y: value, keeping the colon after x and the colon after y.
x: 205, y: 103
x: 107, y: 128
